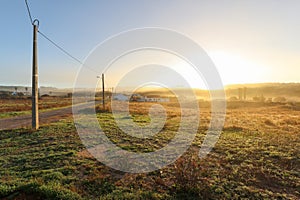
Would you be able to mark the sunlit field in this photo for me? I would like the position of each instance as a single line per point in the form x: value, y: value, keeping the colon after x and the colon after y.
x: 256, y: 157
x: 18, y: 106
x: 154, y: 100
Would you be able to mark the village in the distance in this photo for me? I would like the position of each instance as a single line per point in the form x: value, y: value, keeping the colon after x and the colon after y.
x: 265, y: 92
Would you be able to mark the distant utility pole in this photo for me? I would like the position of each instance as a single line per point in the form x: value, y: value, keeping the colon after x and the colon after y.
x: 35, y: 95
x: 240, y: 92
x: 103, y: 99
x: 245, y: 93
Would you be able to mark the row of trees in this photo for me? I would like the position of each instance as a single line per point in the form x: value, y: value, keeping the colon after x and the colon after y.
x: 262, y: 99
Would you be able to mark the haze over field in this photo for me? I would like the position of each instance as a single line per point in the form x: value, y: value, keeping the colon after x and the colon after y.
x: 290, y: 91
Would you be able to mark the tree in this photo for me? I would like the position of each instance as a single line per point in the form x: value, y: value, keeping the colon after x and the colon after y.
x: 259, y: 98
x: 233, y: 98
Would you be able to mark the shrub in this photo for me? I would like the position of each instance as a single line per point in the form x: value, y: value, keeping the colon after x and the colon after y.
x: 190, y: 182
x: 279, y: 99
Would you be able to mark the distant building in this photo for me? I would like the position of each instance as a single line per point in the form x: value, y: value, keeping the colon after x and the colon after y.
x: 156, y: 99
x: 137, y: 97
x: 120, y: 97
x: 140, y: 98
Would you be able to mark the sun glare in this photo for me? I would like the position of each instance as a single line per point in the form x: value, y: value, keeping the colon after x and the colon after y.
x: 234, y: 68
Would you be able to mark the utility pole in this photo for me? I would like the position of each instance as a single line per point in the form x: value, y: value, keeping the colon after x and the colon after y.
x: 240, y: 92
x: 245, y: 93
x: 103, y: 99
x: 35, y: 99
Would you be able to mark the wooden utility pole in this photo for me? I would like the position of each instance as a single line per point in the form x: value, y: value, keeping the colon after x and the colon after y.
x: 103, y: 96
x: 35, y: 99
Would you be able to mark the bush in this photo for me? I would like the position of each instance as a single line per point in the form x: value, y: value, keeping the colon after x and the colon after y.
x: 279, y: 99
x: 190, y: 181
x: 233, y: 98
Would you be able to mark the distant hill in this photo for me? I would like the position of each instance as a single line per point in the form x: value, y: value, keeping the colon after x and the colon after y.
x: 290, y: 91
x: 22, y: 88
x: 256, y: 85
x: 43, y: 90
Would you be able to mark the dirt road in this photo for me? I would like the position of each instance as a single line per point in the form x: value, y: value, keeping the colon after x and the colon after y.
x: 24, y: 121
x: 46, y: 117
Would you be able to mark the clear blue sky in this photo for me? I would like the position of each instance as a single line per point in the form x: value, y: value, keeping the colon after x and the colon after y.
x: 250, y: 41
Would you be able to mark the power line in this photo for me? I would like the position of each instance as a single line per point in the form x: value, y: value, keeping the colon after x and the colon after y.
x: 35, y: 92
x: 28, y: 10
x: 47, y: 38
x: 66, y: 52
x: 54, y: 43
x: 60, y: 48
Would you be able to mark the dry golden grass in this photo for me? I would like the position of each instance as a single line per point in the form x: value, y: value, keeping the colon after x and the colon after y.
x: 22, y: 104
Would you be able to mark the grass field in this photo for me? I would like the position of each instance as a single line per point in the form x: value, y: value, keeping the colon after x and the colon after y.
x: 256, y: 157
x: 18, y: 106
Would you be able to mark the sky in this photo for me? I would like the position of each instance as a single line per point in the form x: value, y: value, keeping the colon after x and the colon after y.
x: 249, y: 41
